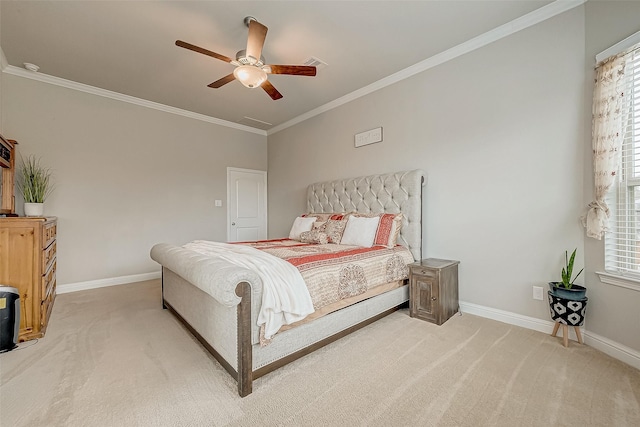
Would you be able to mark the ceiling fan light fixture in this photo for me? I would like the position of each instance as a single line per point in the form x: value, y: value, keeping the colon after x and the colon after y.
x: 251, y: 69
x: 250, y: 76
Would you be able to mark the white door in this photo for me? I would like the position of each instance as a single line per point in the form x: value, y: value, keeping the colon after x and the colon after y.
x: 246, y: 205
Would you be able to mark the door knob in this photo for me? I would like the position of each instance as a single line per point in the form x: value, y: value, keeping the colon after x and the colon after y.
x: 233, y: 223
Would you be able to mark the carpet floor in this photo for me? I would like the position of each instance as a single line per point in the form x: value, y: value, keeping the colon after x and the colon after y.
x: 113, y: 357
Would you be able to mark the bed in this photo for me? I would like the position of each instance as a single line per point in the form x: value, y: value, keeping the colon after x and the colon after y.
x: 220, y: 302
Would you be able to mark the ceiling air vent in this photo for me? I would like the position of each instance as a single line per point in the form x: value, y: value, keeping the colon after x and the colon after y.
x: 249, y: 121
x: 315, y: 62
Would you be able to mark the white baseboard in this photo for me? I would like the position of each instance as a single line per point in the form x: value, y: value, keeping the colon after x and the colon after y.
x: 101, y: 283
x: 613, y: 349
x: 605, y: 345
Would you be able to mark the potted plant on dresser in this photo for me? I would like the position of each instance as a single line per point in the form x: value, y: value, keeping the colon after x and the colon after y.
x: 34, y: 182
x: 567, y: 301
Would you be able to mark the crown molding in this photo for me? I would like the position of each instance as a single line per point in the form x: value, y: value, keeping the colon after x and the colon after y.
x: 45, y: 78
x: 539, y: 15
x: 518, y: 24
x: 619, y: 47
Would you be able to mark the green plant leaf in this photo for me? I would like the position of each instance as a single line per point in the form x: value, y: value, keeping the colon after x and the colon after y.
x: 571, y: 260
x: 34, y: 180
x: 574, y: 279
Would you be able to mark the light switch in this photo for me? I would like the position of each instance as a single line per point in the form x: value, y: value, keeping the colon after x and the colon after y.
x: 218, y: 203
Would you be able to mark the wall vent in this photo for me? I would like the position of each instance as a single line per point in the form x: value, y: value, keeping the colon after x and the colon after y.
x: 313, y: 61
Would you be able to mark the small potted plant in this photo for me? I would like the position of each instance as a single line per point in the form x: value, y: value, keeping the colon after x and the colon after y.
x: 567, y: 301
x: 567, y: 289
x: 34, y: 182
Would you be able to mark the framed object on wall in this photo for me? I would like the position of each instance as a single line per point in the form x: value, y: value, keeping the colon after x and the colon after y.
x: 7, y: 178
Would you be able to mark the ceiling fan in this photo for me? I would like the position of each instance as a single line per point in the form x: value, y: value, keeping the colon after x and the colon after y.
x: 251, y: 69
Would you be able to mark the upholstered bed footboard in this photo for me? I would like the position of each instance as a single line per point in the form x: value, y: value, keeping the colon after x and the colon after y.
x: 222, y: 328
x: 214, y: 277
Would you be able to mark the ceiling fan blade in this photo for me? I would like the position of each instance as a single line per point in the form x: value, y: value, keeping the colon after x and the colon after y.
x: 255, y: 42
x: 202, y: 50
x: 272, y: 91
x: 296, y: 70
x: 223, y: 81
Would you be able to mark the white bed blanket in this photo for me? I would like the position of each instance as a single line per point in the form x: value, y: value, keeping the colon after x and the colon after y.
x: 285, y: 297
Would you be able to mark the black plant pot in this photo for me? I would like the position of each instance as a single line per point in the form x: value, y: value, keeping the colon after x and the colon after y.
x: 567, y: 311
x: 575, y: 293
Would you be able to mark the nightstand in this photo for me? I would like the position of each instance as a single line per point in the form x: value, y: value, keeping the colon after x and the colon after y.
x: 433, y: 289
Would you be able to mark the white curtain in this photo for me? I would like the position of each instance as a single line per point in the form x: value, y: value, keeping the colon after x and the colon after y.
x: 607, y: 135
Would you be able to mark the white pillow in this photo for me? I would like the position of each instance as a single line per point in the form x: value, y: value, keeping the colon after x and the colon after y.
x: 301, y: 225
x: 360, y: 231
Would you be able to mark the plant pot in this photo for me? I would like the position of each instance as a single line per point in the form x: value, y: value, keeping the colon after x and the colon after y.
x: 34, y: 209
x: 567, y: 311
x: 575, y: 293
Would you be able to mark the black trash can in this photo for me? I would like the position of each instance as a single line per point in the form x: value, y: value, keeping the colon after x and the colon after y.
x: 9, y: 318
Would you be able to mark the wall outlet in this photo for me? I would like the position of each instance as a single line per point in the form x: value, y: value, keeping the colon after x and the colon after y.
x: 537, y: 292
x: 218, y: 203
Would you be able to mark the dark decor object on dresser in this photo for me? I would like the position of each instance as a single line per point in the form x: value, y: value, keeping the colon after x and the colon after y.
x: 7, y: 177
x: 433, y: 290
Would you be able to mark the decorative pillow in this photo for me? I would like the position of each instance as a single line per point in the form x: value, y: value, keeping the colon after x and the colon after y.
x: 360, y: 231
x: 334, y: 229
x: 325, y: 216
x: 319, y: 224
x: 388, y: 230
x: 321, y: 217
x: 314, y: 236
x: 301, y: 224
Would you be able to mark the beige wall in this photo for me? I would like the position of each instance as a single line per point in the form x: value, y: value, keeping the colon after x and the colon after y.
x: 500, y: 134
x: 614, y: 312
x: 126, y: 176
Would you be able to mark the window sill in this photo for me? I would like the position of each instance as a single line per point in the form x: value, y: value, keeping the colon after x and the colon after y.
x: 617, y: 280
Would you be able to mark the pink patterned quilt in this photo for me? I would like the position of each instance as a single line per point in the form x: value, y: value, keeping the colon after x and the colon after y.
x: 337, y: 272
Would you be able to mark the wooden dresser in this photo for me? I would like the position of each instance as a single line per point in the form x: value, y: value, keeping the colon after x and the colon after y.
x: 28, y: 263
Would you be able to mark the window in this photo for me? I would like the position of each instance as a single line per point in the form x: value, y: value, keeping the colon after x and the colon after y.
x: 622, y: 242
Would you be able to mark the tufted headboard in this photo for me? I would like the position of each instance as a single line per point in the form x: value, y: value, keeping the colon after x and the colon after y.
x: 389, y: 193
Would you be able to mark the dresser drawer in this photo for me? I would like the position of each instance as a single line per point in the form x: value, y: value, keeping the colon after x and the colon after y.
x: 419, y: 271
x: 48, y: 281
x: 48, y: 256
x: 49, y: 233
x: 47, y: 305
